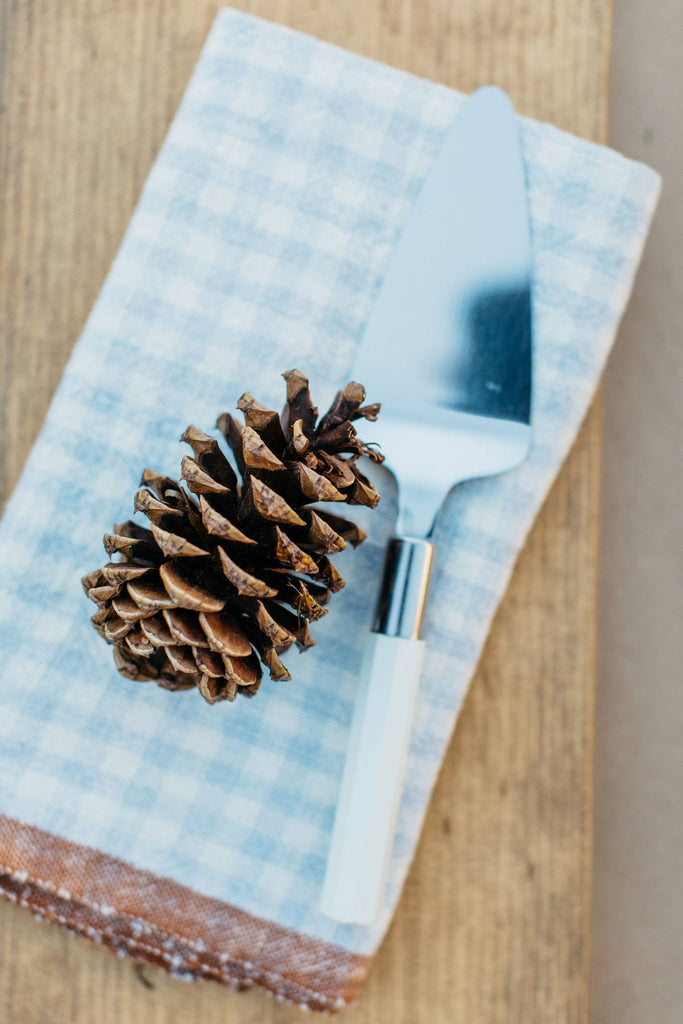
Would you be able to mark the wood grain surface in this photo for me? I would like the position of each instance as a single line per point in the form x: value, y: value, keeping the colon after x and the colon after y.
x: 493, y: 924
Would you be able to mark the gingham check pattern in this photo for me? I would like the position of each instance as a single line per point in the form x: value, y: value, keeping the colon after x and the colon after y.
x: 259, y: 243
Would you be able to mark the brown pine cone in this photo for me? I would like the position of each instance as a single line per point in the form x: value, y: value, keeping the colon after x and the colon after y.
x: 215, y: 585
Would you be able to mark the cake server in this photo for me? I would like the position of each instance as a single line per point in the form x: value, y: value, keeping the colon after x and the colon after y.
x: 448, y: 350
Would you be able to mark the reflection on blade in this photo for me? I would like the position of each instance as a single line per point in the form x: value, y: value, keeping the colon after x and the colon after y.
x: 489, y: 373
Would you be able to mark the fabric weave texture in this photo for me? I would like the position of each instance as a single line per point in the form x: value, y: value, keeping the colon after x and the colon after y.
x: 259, y: 244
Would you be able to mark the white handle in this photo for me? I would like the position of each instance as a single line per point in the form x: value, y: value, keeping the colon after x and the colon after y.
x: 373, y: 779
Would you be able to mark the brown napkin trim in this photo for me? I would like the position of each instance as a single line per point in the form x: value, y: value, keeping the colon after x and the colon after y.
x: 155, y: 920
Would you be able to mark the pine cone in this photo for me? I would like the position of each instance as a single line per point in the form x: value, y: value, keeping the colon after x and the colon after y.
x: 215, y: 585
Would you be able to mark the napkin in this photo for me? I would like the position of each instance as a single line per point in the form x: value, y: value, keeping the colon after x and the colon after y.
x: 191, y: 836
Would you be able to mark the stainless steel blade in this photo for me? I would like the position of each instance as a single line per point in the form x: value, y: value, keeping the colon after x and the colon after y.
x: 448, y: 346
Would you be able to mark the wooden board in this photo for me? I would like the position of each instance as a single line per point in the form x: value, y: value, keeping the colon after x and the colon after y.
x: 493, y: 925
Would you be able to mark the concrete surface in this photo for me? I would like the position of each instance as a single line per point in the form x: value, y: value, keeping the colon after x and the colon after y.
x: 637, y: 961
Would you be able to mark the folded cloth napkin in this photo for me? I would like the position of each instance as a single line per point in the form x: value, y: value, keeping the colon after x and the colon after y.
x: 192, y: 836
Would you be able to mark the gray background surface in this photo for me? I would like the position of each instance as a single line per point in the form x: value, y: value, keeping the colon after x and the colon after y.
x: 637, y: 958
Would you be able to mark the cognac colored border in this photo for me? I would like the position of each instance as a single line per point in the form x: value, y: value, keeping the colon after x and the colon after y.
x: 157, y: 921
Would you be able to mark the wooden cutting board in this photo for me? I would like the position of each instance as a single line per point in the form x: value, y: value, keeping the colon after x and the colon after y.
x: 494, y: 922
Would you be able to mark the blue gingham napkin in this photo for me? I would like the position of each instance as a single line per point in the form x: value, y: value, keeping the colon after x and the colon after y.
x: 259, y: 243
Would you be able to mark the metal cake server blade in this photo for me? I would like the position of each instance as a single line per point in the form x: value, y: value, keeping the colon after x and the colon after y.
x: 448, y: 349
x: 448, y: 345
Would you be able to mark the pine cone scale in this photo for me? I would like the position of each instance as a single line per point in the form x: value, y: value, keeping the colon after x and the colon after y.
x: 150, y: 594
x: 185, y: 593
x: 157, y: 632
x: 182, y: 660
x: 116, y: 629
x: 138, y: 643
x: 184, y: 627
x: 220, y: 526
x: 126, y: 608
x: 209, y: 662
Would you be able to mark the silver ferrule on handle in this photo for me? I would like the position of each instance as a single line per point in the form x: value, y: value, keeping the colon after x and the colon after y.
x: 405, y: 586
